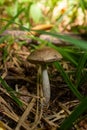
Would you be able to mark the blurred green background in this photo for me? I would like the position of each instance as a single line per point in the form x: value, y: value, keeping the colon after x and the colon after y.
x: 65, y: 15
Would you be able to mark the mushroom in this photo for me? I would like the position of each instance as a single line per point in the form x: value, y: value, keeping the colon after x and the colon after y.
x: 43, y: 56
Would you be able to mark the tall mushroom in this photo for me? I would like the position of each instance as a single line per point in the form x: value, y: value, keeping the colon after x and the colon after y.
x: 43, y: 56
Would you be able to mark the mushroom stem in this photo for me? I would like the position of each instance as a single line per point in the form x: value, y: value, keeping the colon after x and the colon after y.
x: 46, y: 85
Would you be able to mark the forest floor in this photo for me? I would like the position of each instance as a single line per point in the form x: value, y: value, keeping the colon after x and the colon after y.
x: 21, y: 76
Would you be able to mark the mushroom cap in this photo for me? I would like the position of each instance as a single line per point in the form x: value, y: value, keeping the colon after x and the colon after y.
x: 44, y: 55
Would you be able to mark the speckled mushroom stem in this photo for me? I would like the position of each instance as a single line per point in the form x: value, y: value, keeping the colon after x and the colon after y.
x: 46, y: 85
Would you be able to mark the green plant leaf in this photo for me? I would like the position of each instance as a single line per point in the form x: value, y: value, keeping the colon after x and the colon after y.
x: 35, y: 12
x: 11, y: 21
x: 10, y: 91
x: 13, y: 9
x: 2, y: 2
x: 82, y: 3
x: 79, y: 43
x: 64, y: 53
x: 2, y: 39
x: 68, y: 81
x: 81, y: 108
x: 80, y: 68
x: 24, y: 1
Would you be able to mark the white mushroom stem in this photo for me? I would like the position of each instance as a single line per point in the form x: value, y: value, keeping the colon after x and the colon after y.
x: 46, y: 85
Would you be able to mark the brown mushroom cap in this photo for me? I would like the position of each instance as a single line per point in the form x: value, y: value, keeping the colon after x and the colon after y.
x: 44, y: 55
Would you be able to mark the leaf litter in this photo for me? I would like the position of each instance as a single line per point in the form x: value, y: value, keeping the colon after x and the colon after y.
x: 22, y: 77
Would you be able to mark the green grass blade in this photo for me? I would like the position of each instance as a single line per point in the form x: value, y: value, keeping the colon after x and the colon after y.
x: 79, y: 43
x: 60, y: 18
x: 80, y: 68
x: 81, y: 108
x: 68, y: 81
x: 64, y: 53
x: 10, y: 91
x: 22, y: 27
x: 2, y: 39
x: 11, y: 21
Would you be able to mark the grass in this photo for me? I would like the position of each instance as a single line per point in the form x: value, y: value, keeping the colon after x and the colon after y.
x: 76, y: 56
x: 69, y: 54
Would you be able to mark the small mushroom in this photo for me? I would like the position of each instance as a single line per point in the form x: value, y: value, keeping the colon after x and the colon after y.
x: 43, y: 56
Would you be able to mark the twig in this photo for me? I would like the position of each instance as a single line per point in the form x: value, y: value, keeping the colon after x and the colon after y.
x: 25, y: 114
x: 39, y: 109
